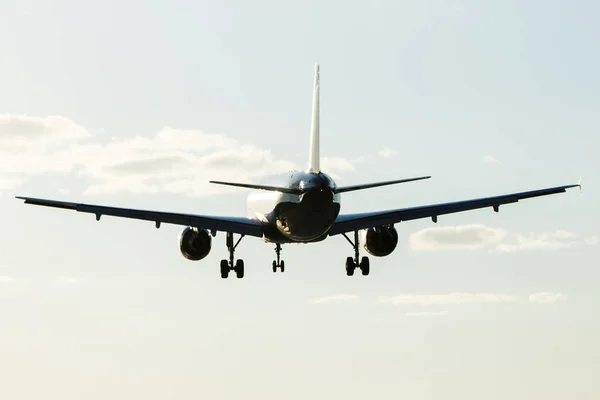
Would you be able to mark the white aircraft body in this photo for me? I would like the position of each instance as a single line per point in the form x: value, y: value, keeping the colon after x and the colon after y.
x: 304, y: 208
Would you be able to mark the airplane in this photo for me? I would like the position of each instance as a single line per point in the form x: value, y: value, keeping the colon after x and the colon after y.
x: 304, y: 208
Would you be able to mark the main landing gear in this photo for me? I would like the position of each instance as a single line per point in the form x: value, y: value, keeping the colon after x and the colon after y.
x: 352, y: 263
x: 278, y: 263
x: 228, y: 265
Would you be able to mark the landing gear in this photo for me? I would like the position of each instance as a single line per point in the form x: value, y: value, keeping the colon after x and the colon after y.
x: 228, y: 265
x: 353, y: 263
x: 278, y: 263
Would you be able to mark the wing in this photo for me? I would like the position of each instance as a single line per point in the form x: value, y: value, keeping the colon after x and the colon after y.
x: 354, y: 222
x: 242, y: 226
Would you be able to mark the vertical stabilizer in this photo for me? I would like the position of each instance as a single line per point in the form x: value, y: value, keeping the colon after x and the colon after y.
x: 314, y: 157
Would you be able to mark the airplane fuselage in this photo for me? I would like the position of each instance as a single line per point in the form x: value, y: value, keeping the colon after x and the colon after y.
x: 297, y: 218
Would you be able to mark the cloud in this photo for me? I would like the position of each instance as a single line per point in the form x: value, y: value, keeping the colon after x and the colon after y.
x: 337, y: 299
x: 176, y: 161
x: 173, y: 160
x: 136, y: 320
x: 464, y: 237
x: 7, y: 183
x: 5, y: 279
x: 558, y: 239
x: 490, y: 159
x: 444, y: 299
x: 546, y: 297
x: 68, y: 280
x: 386, y: 152
x: 24, y: 130
x: 426, y: 313
x: 336, y: 166
x: 477, y: 237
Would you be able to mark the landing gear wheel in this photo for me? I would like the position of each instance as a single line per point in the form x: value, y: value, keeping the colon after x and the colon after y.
x: 239, y: 268
x: 350, y: 266
x: 228, y: 265
x: 279, y: 262
x: 224, y: 269
x: 365, y: 266
x: 353, y: 262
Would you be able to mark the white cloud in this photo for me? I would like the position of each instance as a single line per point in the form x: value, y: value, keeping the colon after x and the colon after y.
x: 136, y: 320
x: 426, y: 313
x: 340, y: 298
x: 68, y: 280
x: 490, y: 159
x: 173, y: 160
x: 464, y: 237
x: 26, y: 131
x: 546, y: 297
x: 386, y: 152
x: 477, y: 237
x: 336, y: 166
x: 176, y: 161
x: 449, y: 298
x: 539, y: 241
x: 7, y: 183
x: 5, y: 279
x: 32, y: 146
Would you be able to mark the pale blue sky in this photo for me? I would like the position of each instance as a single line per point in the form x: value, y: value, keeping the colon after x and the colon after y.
x: 112, y: 310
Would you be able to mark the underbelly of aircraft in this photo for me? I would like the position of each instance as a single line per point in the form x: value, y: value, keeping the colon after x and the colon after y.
x: 308, y: 220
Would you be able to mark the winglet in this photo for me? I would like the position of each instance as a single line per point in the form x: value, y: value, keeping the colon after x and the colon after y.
x: 579, y: 184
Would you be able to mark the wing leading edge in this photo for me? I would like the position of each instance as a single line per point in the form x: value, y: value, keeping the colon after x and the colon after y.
x: 354, y: 222
x: 242, y: 226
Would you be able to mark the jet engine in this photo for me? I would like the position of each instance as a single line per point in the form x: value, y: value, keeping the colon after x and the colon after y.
x: 380, y: 241
x: 194, y: 244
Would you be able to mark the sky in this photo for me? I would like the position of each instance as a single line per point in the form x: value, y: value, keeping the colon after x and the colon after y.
x: 139, y: 104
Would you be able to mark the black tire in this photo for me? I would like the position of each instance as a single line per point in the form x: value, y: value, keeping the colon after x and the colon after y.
x: 224, y: 269
x: 239, y: 269
x: 350, y: 266
x: 274, y: 266
x: 365, y: 266
x: 282, y: 266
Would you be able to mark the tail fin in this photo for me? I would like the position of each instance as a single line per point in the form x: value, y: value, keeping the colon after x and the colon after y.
x: 314, y: 156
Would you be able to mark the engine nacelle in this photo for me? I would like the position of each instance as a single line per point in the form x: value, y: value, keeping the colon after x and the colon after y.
x: 194, y: 244
x: 381, y: 241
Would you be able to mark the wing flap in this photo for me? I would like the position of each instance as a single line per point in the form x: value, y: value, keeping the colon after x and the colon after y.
x: 353, y: 222
x: 243, y: 226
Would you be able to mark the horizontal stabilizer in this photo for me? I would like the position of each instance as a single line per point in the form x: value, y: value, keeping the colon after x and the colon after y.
x: 343, y: 189
x: 261, y: 187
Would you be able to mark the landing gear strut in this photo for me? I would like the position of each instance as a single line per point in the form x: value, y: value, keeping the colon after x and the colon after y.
x: 228, y: 265
x: 278, y: 263
x: 353, y: 263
